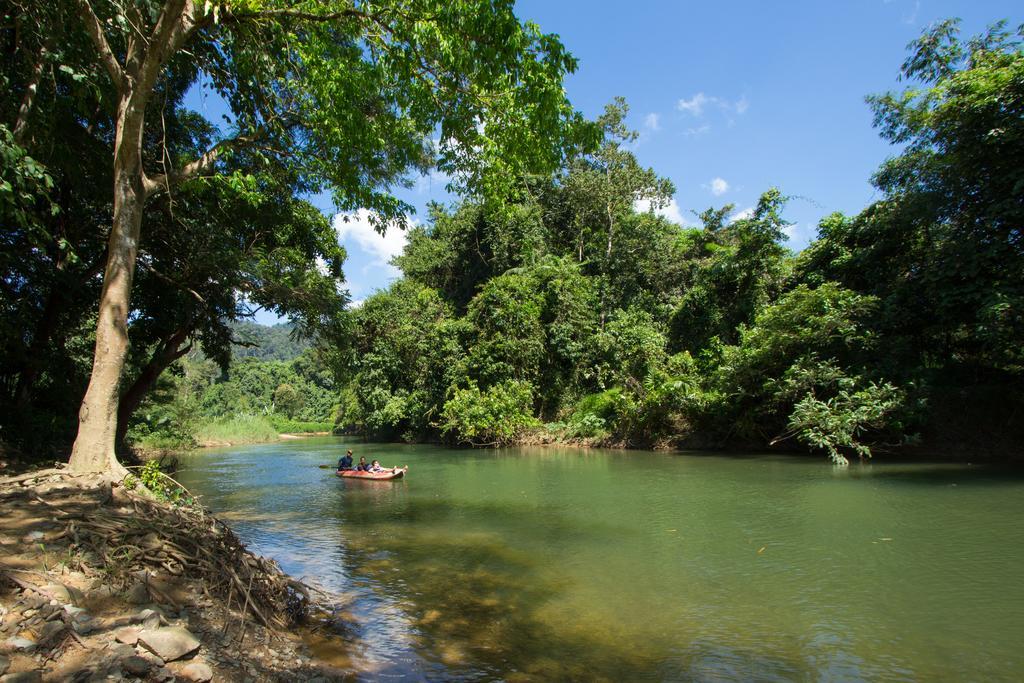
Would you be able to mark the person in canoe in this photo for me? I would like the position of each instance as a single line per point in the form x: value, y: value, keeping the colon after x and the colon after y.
x: 376, y: 467
x: 362, y: 466
x: 346, y: 461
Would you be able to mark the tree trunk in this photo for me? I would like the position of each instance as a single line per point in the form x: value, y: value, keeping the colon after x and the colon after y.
x: 169, y: 351
x: 97, y: 419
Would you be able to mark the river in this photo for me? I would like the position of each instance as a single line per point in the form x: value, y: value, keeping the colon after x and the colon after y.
x: 566, y: 564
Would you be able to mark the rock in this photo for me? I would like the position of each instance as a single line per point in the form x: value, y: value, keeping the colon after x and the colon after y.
x: 155, y: 660
x: 83, y: 626
x: 81, y: 676
x: 5, y: 664
x: 73, y: 611
x: 49, y: 630
x: 58, y: 591
x: 151, y: 622
x: 148, y: 614
x: 137, y: 666
x: 197, y: 672
x: 163, y: 674
x: 23, y: 677
x: 128, y: 635
x: 120, y: 651
x: 19, y: 643
x: 169, y: 643
x: 77, y: 596
x: 138, y: 594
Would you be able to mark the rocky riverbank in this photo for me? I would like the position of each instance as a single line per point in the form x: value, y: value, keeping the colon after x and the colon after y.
x: 99, y: 583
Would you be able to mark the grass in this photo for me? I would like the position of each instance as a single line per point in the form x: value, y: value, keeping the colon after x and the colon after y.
x: 237, y: 429
x: 286, y: 426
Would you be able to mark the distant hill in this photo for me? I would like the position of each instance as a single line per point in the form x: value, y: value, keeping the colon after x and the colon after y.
x: 270, y: 343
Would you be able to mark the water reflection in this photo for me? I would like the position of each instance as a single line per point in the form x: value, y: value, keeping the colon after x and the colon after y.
x: 570, y: 565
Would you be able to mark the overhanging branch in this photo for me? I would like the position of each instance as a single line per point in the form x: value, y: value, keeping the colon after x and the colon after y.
x: 99, y: 39
x: 194, y: 169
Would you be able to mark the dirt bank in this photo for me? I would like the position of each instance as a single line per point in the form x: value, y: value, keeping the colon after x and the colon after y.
x: 98, y: 582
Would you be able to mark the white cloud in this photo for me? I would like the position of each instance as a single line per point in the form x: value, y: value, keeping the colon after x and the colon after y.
x: 701, y: 130
x: 652, y: 122
x: 670, y: 211
x: 742, y: 215
x: 718, y: 186
x: 358, y: 228
x: 356, y: 303
x: 695, y: 105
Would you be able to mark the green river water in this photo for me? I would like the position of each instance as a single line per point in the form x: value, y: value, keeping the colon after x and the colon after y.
x: 552, y: 564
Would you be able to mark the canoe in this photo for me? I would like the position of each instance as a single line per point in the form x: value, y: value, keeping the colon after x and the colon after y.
x: 379, y: 476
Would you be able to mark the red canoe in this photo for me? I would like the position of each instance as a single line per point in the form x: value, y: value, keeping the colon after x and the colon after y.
x: 397, y: 473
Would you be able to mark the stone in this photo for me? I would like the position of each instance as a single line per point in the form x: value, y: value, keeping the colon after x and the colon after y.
x: 5, y: 664
x: 148, y: 614
x: 58, y: 591
x: 197, y: 672
x: 49, y: 630
x: 83, y: 626
x: 151, y: 622
x: 137, y: 666
x: 23, y: 677
x: 128, y: 635
x: 77, y: 596
x: 146, y: 654
x: 138, y: 594
x: 120, y: 651
x: 81, y: 676
x: 169, y: 643
x: 19, y: 643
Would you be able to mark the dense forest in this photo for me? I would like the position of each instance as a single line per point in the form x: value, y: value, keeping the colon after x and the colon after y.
x: 554, y: 304
x: 578, y: 312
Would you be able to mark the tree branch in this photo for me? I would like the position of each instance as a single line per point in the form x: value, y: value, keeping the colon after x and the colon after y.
x: 174, y: 21
x: 95, y: 31
x: 201, y: 166
x: 27, y: 102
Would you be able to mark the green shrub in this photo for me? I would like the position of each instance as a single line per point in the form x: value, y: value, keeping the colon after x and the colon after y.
x: 288, y: 426
x: 489, y: 418
x: 840, y: 421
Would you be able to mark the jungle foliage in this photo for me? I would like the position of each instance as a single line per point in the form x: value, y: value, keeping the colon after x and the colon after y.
x: 544, y: 305
x: 577, y: 312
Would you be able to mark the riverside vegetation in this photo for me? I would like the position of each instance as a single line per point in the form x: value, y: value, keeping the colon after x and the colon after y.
x: 552, y: 303
x: 579, y: 313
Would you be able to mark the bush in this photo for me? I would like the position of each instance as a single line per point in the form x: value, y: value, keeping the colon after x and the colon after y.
x: 287, y: 426
x: 489, y: 418
x: 839, y: 421
x: 586, y: 426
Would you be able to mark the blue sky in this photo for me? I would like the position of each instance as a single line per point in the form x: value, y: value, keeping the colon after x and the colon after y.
x: 731, y: 98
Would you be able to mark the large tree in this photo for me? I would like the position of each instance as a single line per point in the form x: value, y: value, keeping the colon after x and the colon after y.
x: 349, y: 95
